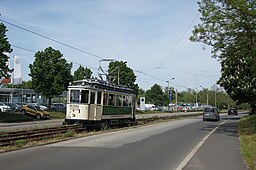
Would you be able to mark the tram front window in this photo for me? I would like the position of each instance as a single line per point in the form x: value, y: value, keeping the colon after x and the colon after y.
x: 74, y: 96
x: 85, y: 96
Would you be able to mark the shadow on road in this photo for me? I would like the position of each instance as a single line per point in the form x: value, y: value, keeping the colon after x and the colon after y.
x: 229, y: 128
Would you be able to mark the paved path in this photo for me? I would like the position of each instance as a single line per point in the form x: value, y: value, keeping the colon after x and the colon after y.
x: 221, y: 150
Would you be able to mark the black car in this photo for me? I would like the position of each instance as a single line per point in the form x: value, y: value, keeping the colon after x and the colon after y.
x: 14, y: 106
x: 58, y: 107
x: 232, y: 111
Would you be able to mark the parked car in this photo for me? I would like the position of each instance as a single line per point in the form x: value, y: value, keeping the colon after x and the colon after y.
x: 34, y: 110
x: 37, y: 105
x: 232, y: 111
x: 4, y: 107
x: 22, y: 103
x: 211, y: 113
x: 58, y: 107
x: 14, y: 106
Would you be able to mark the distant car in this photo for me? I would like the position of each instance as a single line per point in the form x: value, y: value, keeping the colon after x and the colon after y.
x: 232, y: 111
x: 4, y: 107
x: 42, y: 107
x: 14, y: 106
x: 211, y: 113
x: 58, y: 107
x: 34, y: 110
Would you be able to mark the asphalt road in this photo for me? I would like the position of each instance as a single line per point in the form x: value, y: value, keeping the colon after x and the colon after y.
x: 160, y: 146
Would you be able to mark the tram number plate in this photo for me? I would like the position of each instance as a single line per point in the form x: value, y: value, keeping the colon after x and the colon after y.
x: 74, y: 107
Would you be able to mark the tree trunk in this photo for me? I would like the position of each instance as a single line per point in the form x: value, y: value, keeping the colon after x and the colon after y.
x: 50, y: 104
x: 253, y: 108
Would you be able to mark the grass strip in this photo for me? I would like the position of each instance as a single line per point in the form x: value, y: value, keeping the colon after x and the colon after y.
x: 247, y: 135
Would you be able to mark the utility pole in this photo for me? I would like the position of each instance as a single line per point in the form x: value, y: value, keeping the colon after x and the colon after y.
x: 169, y: 94
x: 168, y: 91
x: 207, y: 98
x: 215, y: 96
x: 176, y: 98
x: 118, y: 76
x: 196, y: 93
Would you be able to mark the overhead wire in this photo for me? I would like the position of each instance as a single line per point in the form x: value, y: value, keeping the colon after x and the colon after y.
x: 51, y: 39
x: 176, y: 45
x: 32, y: 51
x: 91, y: 54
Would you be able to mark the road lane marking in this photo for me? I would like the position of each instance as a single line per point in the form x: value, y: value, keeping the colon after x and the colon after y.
x: 196, y: 148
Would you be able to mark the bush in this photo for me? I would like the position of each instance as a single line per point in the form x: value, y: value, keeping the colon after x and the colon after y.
x: 20, y: 143
x: 70, y: 133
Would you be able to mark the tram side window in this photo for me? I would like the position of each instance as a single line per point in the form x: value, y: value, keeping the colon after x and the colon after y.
x: 74, y: 96
x: 99, y: 98
x: 118, y: 100
x: 130, y: 101
x: 84, y: 96
x: 111, y: 100
x: 125, y: 100
x: 92, y: 100
x: 105, y: 99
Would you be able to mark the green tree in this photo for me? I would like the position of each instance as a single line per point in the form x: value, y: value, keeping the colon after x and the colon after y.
x: 188, y: 96
x: 155, y: 95
x: 82, y: 73
x: 50, y: 73
x: 5, y: 47
x: 229, y: 28
x: 120, y: 73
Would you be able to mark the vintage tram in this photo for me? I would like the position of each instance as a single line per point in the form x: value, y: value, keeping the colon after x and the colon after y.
x: 94, y: 102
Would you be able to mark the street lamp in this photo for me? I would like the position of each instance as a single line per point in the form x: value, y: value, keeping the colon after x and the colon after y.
x: 196, y: 92
x: 168, y: 90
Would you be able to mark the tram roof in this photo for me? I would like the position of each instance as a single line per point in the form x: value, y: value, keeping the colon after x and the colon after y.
x: 100, y: 84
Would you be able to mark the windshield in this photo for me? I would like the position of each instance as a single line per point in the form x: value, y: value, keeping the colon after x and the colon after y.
x: 74, y: 96
x: 209, y: 109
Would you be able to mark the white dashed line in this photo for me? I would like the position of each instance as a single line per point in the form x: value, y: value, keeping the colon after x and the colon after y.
x: 196, y: 148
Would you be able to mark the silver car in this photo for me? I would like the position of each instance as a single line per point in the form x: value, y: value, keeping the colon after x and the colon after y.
x: 4, y: 107
x: 211, y: 113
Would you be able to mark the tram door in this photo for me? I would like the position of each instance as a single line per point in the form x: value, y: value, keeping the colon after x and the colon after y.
x: 95, y: 108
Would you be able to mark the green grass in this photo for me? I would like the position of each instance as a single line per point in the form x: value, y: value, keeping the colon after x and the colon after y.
x: 20, y: 143
x: 57, y: 115
x: 11, y: 117
x: 70, y: 133
x: 247, y: 134
x: 8, y: 117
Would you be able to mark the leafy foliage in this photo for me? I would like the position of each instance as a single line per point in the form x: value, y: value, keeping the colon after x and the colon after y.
x: 230, y: 28
x: 82, y: 73
x: 5, y: 47
x: 50, y: 73
x: 119, y: 73
x: 156, y: 96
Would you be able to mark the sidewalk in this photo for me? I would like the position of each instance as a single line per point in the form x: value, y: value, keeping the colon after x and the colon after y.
x: 220, y: 151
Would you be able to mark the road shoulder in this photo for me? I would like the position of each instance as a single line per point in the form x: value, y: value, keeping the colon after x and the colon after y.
x: 220, y: 151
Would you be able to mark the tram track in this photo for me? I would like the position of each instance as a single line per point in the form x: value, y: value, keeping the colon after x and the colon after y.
x: 10, y: 138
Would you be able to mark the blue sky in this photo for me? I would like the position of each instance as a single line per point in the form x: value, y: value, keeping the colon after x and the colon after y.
x: 148, y: 34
